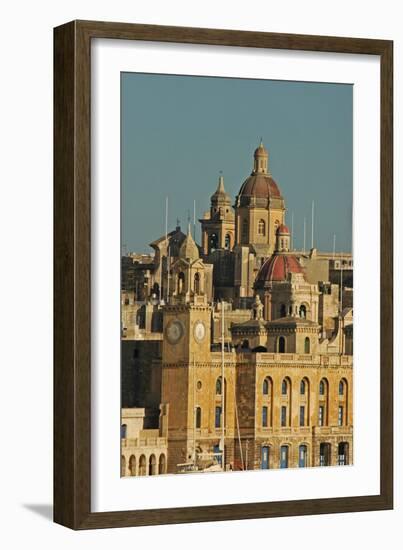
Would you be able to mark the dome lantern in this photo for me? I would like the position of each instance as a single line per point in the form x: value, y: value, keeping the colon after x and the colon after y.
x: 261, y: 160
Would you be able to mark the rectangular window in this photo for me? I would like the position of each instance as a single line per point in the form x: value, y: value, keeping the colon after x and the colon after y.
x: 198, y: 417
x: 340, y: 416
x: 283, y: 416
x: 218, y: 417
x: 264, y: 417
x: 321, y: 415
x: 302, y: 416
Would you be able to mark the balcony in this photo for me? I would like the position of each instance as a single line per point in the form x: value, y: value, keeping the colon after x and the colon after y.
x: 142, y: 442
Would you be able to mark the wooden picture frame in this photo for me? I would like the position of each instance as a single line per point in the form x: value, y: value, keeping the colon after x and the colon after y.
x: 72, y: 271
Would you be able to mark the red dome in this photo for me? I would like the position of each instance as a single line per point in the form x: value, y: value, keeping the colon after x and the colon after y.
x: 283, y: 229
x: 277, y: 268
x: 261, y: 186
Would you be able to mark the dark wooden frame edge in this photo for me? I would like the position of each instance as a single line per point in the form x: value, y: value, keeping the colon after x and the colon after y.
x: 72, y: 272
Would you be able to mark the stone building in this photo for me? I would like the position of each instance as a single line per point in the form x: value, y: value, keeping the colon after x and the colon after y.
x: 247, y: 341
x: 144, y: 451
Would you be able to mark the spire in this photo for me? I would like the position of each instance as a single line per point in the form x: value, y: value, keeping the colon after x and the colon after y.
x: 220, y: 188
x: 188, y: 249
x: 220, y: 196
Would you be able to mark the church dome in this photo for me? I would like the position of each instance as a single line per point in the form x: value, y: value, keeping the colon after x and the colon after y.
x: 260, y: 186
x: 276, y: 268
x: 283, y: 230
x: 188, y: 250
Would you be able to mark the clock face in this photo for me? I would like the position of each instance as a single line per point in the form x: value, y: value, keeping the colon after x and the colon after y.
x: 174, y: 331
x: 199, y: 331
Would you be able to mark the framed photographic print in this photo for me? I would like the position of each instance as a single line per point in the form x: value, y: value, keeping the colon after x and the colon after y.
x: 223, y: 275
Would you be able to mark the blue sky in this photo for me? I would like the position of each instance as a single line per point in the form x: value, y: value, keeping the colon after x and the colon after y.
x: 179, y: 132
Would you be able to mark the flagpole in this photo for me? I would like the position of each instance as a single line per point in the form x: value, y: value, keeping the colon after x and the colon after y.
x: 313, y: 214
x: 167, y: 244
x: 304, y: 235
x: 292, y: 231
x: 194, y: 219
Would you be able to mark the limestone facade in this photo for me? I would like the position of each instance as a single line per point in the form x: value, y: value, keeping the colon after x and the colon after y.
x: 247, y: 342
x: 143, y: 451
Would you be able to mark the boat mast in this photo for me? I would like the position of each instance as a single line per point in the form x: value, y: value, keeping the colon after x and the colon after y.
x: 194, y: 413
x: 222, y: 387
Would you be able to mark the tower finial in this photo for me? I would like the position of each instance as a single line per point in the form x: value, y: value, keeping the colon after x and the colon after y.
x: 220, y: 188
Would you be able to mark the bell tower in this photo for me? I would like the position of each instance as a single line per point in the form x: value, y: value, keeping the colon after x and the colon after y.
x: 218, y: 224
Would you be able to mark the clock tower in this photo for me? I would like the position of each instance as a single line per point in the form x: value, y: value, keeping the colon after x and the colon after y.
x: 186, y: 347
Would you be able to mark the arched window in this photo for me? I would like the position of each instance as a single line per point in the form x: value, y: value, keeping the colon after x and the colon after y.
x: 302, y: 387
x: 303, y: 456
x: 342, y: 454
x: 152, y: 470
x: 261, y: 227
x: 341, y: 387
x: 142, y: 466
x: 198, y: 417
x: 123, y: 466
x: 284, y: 387
x: 213, y: 242
x: 197, y: 283
x: 181, y: 282
x: 245, y: 344
x: 307, y: 345
x: 123, y: 431
x: 132, y: 465
x: 162, y: 464
x: 324, y: 454
x: 218, y: 386
x: 281, y: 344
x: 302, y: 311
x: 283, y: 310
x: 284, y: 456
x: 265, y: 458
x: 322, y: 387
x: 227, y: 241
x: 266, y: 386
